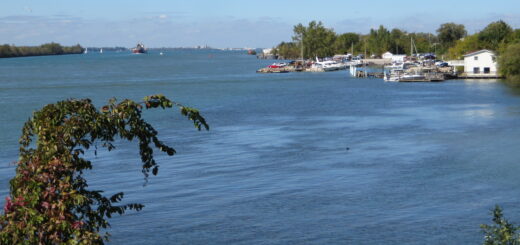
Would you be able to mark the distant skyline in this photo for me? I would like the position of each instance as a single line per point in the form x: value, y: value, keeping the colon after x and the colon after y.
x: 228, y: 23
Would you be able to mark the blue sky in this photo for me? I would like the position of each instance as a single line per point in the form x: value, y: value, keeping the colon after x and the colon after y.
x: 228, y: 23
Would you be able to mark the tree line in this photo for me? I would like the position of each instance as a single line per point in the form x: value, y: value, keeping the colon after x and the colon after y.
x: 8, y: 51
x: 451, y: 40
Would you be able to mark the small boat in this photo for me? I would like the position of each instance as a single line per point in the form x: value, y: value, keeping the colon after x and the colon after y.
x: 398, y: 75
x: 414, y: 78
x: 394, y: 75
x: 251, y: 52
x: 355, y: 61
x: 327, y: 65
x: 139, y: 49
x: 277, y: 65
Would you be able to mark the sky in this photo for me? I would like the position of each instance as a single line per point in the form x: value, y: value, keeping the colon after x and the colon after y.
x: 229, y: 23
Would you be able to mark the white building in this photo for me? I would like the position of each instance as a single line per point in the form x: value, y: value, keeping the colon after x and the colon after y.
x: 482, y: 63
x: 267, y: 51
x: 387, y: 55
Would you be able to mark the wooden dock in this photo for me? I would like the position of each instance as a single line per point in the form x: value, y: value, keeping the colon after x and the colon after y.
x: 479, y: 76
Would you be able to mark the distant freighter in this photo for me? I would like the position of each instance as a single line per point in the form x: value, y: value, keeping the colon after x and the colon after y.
x: 139, y: 49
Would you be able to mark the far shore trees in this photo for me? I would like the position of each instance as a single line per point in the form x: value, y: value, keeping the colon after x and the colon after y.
x: 316, y: 39
x: 495, y: 35
x: 451, y: 41
x: 448, y: 33
x: 9, y: 51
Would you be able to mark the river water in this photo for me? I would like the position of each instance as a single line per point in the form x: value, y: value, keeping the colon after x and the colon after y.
x: 295, y: 158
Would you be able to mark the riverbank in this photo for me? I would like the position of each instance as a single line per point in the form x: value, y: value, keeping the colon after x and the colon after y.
x: 11, y: 51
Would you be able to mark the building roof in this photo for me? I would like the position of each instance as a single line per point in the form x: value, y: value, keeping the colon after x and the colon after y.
x: 479, y: 52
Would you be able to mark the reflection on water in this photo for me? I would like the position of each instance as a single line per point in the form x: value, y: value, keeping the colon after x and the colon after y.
x: 484, y: 112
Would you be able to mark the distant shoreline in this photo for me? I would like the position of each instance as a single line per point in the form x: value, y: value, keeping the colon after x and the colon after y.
x: 11, y: 51
x: 26, y: 56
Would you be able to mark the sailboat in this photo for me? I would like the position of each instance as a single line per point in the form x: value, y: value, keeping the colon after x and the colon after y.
x: 86, y: 51
x: 101, y: 51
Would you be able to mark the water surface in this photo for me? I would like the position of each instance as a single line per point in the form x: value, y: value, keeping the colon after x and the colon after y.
x: 295, y: 158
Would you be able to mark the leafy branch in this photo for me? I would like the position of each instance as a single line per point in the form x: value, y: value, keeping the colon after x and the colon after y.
x: 49, y: 201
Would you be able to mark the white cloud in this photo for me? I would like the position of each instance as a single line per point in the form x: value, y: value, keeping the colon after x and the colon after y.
x: 159, y: 31
x: 170, y: 29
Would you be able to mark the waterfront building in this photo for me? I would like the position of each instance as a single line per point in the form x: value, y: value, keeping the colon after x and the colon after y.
x: 482, y: 63
x: 387, y: 55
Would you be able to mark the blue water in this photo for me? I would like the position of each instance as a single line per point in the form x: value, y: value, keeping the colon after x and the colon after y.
x: 296, y: 158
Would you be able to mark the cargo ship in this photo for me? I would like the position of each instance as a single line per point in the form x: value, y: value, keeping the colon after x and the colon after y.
x: 139, y: 49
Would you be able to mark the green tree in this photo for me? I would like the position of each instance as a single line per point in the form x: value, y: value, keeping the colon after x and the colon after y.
x: 464, y: 46
x: 509, y: 63
x: 344, y: 42
x: 379, y: 41
x: 515, y: 36
x: 448, y: 33
x: 400, y: 41
x: 49, y: 202
x: 288, y: 50
x: 495, y: 34
x: 317, y: 40
x: 501, y: 232
x: 423, y: 41
x: 51, y: 48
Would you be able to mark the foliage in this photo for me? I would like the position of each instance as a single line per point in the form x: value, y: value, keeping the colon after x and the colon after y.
x: 509, y: 63
x: 49, y: 201
x: 379, y: 40
x: 320, y: 41
x: 501, y: 232
x: 317, y: 40
x: 345, y: 42
x: 400, y: 41
x: 515, y: 36
x: 288, y: 49
x: 451, y: 40
x: 7, y: 51
x: 448, y: 33
x: 464, y: 46
x: 495, y: 34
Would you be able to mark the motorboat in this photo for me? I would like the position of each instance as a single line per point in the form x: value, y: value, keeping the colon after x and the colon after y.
x: 327, y: 65
x: 394, y: 75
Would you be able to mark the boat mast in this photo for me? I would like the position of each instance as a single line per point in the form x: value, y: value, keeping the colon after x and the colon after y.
x: 364, y: 59
x: 301, y: 46
x: 411, y: 46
